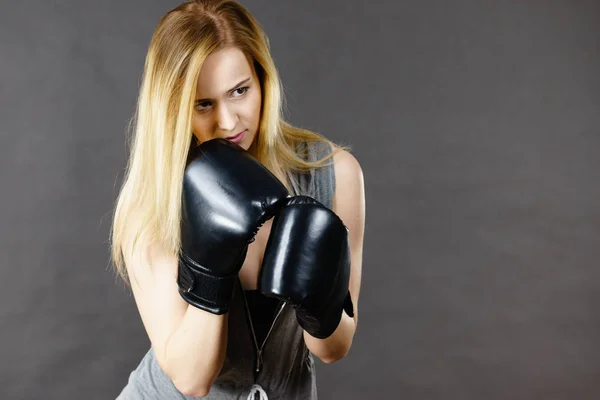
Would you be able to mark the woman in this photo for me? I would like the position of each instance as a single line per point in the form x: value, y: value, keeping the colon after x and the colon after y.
x: 209, y: 75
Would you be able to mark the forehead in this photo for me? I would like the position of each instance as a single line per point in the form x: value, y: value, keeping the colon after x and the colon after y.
x: 222, y: 70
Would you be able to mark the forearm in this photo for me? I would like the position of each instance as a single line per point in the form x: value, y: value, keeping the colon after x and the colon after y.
x: 335, y: 346
x: 196, y: 351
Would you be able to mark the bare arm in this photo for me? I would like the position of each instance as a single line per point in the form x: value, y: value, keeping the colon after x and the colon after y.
x: 349, y: 205
x: 195, y: 352
x: 189, y: 343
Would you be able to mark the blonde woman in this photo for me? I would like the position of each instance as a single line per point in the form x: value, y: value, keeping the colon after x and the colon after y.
x: 240, y: 235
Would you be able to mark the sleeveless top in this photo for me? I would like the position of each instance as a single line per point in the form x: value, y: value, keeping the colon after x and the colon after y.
x: 280, y: 367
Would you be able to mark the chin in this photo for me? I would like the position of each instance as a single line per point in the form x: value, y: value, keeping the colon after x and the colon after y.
x: 243, y: 145
x: 247, y: 144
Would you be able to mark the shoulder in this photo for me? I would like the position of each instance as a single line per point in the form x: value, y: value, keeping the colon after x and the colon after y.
x: 348, y: 170
x: 349, y: 180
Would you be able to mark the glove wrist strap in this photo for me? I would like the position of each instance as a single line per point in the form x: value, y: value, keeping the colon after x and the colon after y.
x: 202, y: 290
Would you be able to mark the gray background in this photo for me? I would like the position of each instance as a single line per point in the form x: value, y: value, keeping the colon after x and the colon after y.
x: 477, y: 126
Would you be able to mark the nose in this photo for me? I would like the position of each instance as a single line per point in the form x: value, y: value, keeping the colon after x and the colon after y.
x: 226, y: 118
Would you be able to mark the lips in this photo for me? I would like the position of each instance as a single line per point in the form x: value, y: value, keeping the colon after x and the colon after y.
x: 237, y: 138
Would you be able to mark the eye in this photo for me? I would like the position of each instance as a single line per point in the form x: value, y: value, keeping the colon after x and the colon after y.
x: 205, y: 105
x: 202, y: 106
x: 243, y: 90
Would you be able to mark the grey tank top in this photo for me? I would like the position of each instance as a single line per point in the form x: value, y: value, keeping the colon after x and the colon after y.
x: 287, y: 369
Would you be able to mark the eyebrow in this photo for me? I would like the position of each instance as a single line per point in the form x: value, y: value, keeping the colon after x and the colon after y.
x: 233, y: 88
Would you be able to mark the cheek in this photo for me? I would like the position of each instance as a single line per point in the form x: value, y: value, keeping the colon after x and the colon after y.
x: 199, y: 127
x: 255, y: 106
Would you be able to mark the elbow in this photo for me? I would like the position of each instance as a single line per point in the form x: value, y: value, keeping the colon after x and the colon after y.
x: 196, y: 392
x: 330, y: 359
x: 188, y: 387
x: 194, y: 385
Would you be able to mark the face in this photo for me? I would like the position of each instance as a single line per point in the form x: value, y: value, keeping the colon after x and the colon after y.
x: 228, y: 99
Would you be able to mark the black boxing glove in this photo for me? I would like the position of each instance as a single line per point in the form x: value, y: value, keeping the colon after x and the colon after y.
x: 307, y: 264
x: 227, y: 195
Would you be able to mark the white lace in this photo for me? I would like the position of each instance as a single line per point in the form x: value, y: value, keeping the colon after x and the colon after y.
x: 257, y: 389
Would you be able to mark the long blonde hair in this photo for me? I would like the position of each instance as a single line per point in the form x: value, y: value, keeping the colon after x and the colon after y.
x: 160, y: 129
